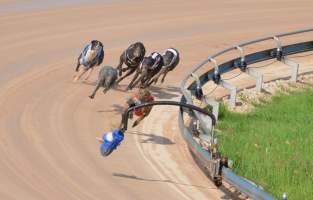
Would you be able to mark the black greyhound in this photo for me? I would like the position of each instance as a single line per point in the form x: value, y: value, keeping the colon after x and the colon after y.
x: 107, y: 77
x: 170, y: 61
x: 91, y: 56
x: 132, y: 57
x: 149, y: 67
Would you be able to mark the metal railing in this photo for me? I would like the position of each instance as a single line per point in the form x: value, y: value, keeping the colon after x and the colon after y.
x: 194, y: 89
x: 234, y: 47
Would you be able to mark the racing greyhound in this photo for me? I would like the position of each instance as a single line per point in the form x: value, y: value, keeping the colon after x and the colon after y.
x: 131, y: 57
x: 170, y: 61
x: 91, y: 56
x: 106, y: 78
x: 149, y: 67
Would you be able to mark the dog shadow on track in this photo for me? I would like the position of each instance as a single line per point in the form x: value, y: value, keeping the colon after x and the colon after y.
x: 92, y: 83
x: 168, y: 92
x: 120, y: 87
x: 121, y: 175
x: 151, y: 138
x: 117, y: 109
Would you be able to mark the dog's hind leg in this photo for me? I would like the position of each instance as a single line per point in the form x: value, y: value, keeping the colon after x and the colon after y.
x: 148, y: 81
x: 156, y: 77
x: 153, y: 80
x: 105, y: 90
x: 132, y: 70
x: 119, y: 66
x: 109, y: 82
x: 89, y: 73
x: 79, y: 74
x: 133, y: 81
x: 164, y: 75
x: 96, y: 89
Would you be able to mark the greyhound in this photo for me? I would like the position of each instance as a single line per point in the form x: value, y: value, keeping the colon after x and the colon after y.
x: 132, y: 57
x: 149, y: 67
x: 107, y: 77
x: 142, y: 95
x: 171, y: 60
x: 91, y: 56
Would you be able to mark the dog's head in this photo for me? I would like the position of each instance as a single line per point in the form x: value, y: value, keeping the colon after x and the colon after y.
x: 146, y: 63
x: 167, y: 58
x: 96, y: 45
x: 137, y: 52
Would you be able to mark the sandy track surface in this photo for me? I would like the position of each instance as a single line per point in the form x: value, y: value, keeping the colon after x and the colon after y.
x: 48, y: 124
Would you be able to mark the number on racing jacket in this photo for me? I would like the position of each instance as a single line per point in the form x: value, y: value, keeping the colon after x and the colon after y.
x: 111, y: 141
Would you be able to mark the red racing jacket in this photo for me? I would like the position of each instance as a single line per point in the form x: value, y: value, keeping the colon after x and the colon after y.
x: 140, y: 112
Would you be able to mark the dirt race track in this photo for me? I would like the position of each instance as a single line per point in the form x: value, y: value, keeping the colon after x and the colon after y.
x: 48, y: 124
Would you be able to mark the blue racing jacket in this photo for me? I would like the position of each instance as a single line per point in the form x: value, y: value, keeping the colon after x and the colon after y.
x: 96, y: 60
x: 111, y: 141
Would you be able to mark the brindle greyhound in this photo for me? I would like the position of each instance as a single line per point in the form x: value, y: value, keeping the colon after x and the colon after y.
x: 132, y: 57
x: 91, y: 56
x: 170, y: 61
x: 107, y: 77
x: 149, y: 67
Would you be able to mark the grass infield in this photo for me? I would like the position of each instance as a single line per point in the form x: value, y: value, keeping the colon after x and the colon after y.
x: 273, y: 145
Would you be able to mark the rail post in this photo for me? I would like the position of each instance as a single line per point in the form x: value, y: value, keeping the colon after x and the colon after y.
x: 231, y: 88
x: 203, y: 119
x: 284, y: 59
x: 294, y: 68
x: 252, y: 72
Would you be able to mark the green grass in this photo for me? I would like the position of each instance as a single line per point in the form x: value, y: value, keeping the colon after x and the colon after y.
x: 273, y: 146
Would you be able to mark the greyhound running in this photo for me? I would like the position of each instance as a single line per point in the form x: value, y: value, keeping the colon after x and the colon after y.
x: 107, y: 77
x: 170, y: 61
x: 149, y: 67
x: 131, y: 57
x: 91, y: 56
